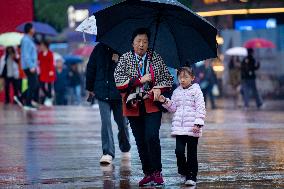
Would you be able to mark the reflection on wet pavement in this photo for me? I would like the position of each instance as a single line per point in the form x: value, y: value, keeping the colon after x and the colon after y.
x: 60, y: 148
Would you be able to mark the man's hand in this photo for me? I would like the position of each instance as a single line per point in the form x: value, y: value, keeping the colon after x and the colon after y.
x: 115, y: 58
x: 32, y: 70
x: 90, y: 96
x: 146, y: 78
x: 51, y: 73
x: 157, y: 93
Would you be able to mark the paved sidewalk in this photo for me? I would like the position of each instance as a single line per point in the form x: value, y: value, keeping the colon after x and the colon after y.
x: 60, y: 147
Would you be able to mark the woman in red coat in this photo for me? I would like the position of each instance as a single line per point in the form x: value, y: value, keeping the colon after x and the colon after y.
x: 47, y: 72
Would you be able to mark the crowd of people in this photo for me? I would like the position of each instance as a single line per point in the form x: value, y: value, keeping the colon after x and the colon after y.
x: 242, y: 78
x: 49, y: 81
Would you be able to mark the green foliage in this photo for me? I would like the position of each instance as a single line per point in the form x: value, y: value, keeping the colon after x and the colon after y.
x: 54, y: 12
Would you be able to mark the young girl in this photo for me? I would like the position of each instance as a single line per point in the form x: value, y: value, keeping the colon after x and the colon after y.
x: 188, y: 105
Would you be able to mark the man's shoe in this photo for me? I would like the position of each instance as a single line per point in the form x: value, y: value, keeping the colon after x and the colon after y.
x: 48, y: 102
x: 190, y: 183
x: 18, y: 101
x: 125, y: 155
x: 158, y: 178
x: 106, y: 159
x: 35, y: 104
x: 147, y: 180
x: 30, y: 108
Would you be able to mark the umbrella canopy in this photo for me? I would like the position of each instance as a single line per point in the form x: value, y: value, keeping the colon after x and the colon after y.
x: 39, y: 27
x: 72, y: 59
x: 178, y: 34
x: 10, y: 39
x: 259, y: 43
x: 237, y: 51
x: 88, y: 26
x: 84, y: 51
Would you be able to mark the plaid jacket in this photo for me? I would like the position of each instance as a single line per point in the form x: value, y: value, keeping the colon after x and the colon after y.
x: 127, y: 77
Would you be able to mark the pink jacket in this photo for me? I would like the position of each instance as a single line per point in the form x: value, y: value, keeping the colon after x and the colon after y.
x: 189, y: 109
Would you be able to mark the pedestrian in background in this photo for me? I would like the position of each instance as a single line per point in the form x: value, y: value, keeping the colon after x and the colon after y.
x: 188, y: 105
x: 235, y: 78
x: 100, y: 84
x: 74, y: 78
x: 248, y: 68
x: 9, y: 70
x: 29, y: 65
x: 47, y: 72
x: 208, y: 79
x: 61, y: 83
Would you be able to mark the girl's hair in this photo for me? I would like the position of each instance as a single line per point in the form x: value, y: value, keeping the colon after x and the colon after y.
x: 188, y: 70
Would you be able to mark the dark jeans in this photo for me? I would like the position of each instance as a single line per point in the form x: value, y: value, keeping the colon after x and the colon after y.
x: 60, y: 97
x: 106, y: 132
x: 187, y: 166
x: 208, y: 92
x: 14, y: 82
x: 31, y: 92
x: 46, y: 89
x: 249, y: 86
x: 145, y: 129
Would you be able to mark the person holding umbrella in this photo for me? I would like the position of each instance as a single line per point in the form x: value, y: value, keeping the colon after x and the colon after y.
x: 141, y: 76
x: 100, y: 84
x: 248, y: 68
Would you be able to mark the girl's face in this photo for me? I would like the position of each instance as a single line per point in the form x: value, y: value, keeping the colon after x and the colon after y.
x: 185, y: 79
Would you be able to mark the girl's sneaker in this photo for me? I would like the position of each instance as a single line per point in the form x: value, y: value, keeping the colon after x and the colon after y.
x: 190, y: 183
x: 147, y: 180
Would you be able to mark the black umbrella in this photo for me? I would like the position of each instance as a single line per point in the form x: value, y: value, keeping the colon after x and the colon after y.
x: 178, y: 34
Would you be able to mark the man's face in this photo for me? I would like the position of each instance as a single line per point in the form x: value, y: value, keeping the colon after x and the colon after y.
x: 140, y: 44
x: 32, y: 31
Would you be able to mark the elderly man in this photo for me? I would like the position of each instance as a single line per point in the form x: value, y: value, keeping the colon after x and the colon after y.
x: 100, y: 84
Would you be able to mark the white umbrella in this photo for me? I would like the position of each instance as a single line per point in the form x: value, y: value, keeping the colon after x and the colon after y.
x: 88, y: 26
x: 237, y: 51
x: 10, y: 39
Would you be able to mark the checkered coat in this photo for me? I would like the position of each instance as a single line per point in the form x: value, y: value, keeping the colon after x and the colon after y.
x: 127, y: 78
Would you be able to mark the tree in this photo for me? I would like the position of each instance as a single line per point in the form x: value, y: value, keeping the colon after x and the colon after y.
x: 54, y: 12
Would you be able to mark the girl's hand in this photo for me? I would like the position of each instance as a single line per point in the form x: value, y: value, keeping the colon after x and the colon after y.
x: 162, y: 99
x: 196, y: 129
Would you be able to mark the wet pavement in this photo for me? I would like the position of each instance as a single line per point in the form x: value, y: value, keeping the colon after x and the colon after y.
x: 60, y: 147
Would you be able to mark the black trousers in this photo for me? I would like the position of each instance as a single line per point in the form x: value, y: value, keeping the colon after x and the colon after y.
x: 145, y: 129
x: 14, y: 83
x: 31, y: 93
x: 46, y: 89
x: 187, y: 165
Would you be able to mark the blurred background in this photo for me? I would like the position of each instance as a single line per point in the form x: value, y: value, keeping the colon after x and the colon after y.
x: 239, y: 22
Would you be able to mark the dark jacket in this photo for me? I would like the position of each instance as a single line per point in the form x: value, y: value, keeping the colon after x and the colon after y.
x: 248, y: 68
x: 99, y: 74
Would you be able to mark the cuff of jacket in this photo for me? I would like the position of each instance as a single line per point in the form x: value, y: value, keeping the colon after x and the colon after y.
x: 199, y: 121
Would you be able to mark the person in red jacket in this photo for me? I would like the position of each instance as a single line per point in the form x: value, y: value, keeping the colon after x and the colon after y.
x: 47, y: 72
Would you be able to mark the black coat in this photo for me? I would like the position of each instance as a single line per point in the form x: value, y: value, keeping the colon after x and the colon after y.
x: 99, y: 74
x: 248, y: 68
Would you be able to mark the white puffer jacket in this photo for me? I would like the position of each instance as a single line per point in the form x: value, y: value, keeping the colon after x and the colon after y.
x: 189, y: 109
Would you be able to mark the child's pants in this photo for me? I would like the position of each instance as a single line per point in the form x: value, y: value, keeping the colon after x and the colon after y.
x: 187, y: 166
